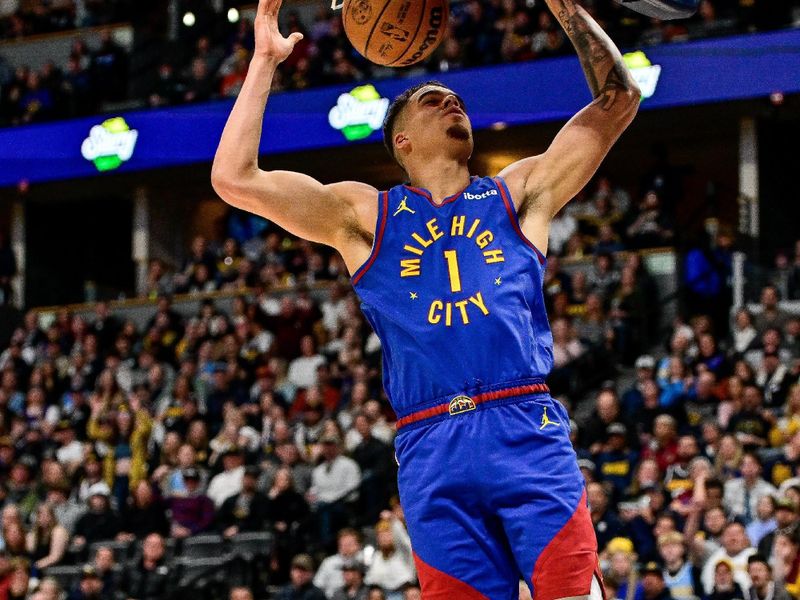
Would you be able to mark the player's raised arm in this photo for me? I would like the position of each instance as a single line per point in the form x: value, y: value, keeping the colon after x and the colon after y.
x: 543, y: 184
x: 329, y: 214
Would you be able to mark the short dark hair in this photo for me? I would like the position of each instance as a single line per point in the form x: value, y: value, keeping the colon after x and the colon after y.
x: 759, y: 558
x: 754, y: 456
x: 396, y: 108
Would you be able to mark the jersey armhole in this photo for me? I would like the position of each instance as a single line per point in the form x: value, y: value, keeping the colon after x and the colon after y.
x: 380, y: 227
x: 514, y: 218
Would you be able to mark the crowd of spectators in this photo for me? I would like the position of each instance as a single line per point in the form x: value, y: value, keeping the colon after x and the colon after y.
x: 123, y: 449
x: 481, y: 32
x: 20, y: 18
x: 269, y: 418
x: 692, y: 472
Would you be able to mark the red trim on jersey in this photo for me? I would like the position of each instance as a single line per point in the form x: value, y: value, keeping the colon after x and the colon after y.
x: 444, y: 408
x: 567, y: 564
x: 448, y: 200
x: 512, y: 214
x: 437, y: 585
x: 376, y: 246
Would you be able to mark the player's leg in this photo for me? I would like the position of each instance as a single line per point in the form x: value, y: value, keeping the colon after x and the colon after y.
x: 541, y: 500
x: 459, y: 553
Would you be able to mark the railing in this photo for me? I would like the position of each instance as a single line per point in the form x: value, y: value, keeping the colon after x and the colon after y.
x: 37, y: 50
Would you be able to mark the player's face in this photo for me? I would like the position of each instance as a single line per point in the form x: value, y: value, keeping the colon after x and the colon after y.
x: 436, y: 117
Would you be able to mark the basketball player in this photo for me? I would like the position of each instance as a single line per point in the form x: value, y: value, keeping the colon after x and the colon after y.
x: 449, y: 269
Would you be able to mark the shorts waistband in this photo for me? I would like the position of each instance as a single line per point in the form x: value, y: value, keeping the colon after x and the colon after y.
x: 463, y: 404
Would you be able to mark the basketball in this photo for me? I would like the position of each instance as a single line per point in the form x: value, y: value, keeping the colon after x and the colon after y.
x: 395, y: 33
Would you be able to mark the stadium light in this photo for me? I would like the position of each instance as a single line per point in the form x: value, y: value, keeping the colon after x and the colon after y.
x: 189, y: 19
x: 233, y: 15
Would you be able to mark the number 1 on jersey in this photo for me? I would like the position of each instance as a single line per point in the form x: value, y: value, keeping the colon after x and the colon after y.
x: 452, y: 265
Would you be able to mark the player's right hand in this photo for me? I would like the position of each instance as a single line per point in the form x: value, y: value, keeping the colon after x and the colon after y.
x: 269, y: 41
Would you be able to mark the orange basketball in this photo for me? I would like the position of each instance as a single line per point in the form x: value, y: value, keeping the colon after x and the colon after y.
x: 395, y: 33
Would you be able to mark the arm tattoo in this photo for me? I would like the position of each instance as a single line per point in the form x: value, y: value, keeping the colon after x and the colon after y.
x: 600, y: 59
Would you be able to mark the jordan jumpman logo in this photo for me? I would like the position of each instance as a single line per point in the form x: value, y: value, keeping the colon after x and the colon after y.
x: 404, y: 207
x: 546, y: 420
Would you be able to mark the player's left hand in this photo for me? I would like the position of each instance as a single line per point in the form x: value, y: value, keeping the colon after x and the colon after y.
x: 269, y: 41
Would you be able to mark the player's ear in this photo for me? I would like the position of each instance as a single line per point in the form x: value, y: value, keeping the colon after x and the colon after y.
x: 401, y: 141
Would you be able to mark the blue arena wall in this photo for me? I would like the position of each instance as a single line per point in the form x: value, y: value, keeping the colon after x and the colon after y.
x: 735, y: 68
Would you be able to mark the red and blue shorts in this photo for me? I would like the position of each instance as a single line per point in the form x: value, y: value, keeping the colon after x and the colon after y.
x: 492, y: 494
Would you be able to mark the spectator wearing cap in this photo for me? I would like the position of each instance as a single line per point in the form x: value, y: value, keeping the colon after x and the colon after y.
x: 785, y: 517
x: 330, y: 578
x: 150, y: 578
x: 621, y: 569
x: 353, y: 588
x: 334, y: 483
x: 229, y: 482
x: 607, y: 524
x: 245, y: 511
x: 774, y: 377
x: 392, y: 565
x: 309, y: 430
x: 682, y: 577
x: 89, y: 586
x: 192, y: 512
x: 743, y: 493
x: 725, y: 585
x: 588, y: 469
x: 653, y: 584
x: 632, y: 399
x: 764, y: 586
x: 735, y: 550
x: 617, y: 462
x: 100, y: 522
x: 301, y: 586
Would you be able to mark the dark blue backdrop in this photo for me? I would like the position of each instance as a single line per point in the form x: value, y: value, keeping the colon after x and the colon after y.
x: 692, y: 73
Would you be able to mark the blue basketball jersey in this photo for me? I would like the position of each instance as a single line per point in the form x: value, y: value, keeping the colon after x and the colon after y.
x: 454, y: 292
